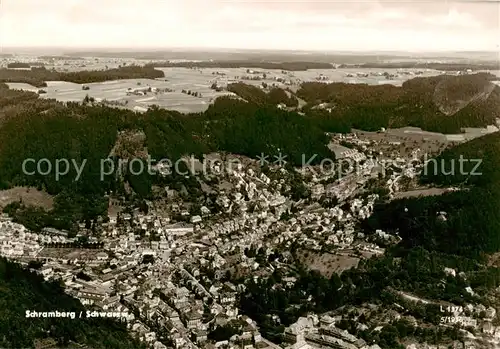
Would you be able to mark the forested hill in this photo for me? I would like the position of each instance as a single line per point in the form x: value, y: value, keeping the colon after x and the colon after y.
x: 472, y: 221
x: 22, y: 290
x: 492, y: 65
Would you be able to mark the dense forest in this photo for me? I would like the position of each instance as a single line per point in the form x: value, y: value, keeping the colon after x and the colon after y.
x: 23, y: 290
x: 470, y: 226
x: 38, y: 76
x: 290, y: 66
x: 443, y: 103
x: 482, y: 152
x: 437, y: 66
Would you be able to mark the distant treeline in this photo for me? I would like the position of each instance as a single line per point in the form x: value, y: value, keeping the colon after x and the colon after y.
x: 258, y: 96
x: 290, y: 66
x: 38, y: 76
x: 75, y: 131
x: 437, y: 66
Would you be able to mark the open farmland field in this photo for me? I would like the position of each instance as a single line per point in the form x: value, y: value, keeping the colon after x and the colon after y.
x: 200, y: 81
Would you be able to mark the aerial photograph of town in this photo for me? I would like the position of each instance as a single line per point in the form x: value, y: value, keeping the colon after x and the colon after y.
x: 249, y: 174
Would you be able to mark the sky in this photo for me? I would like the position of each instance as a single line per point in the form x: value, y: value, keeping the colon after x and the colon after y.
x: 419, y: 25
